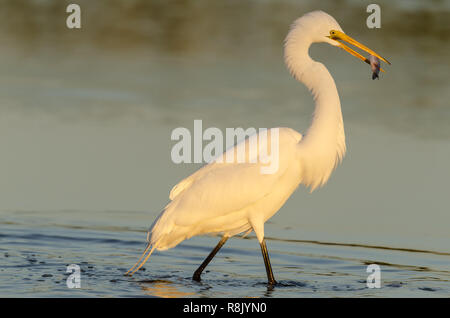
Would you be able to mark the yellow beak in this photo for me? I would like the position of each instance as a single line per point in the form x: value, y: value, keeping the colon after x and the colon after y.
x: 340, y: 36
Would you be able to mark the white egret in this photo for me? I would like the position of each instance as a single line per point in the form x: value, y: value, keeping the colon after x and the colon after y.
x: 232, y: 197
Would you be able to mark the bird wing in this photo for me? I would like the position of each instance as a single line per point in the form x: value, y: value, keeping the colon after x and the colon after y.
x: 223, y: 190
x: 182, y: 185
x: 218, y: 162
x: 224, y: 187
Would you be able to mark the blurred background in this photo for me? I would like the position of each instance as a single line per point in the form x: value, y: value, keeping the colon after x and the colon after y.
x: 86, y: 114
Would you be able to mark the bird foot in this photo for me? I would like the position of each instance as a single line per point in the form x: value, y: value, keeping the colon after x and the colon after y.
x: 271, y: 284
x: 196, y: 277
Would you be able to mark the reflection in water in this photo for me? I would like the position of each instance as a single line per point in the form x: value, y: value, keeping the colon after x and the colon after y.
x: 162, y: 288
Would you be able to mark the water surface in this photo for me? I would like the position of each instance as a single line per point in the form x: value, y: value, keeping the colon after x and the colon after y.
x: 36, y: 250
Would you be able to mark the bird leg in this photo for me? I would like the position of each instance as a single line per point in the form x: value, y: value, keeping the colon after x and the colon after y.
x: 211, y: 255
x: 265, y: 254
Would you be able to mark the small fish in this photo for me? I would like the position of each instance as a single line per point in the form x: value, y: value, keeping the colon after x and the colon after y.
x: 375, y: 66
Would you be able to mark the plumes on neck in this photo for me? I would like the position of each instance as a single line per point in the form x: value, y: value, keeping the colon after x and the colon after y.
x: 323, y: 145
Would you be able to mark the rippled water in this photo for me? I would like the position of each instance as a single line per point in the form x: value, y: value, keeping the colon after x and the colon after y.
x: 85, y: 128
x: 35, y: 253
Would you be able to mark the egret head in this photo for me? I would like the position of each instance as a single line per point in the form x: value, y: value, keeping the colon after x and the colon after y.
x: 313, y: 27
x: 339, y: 37
x: 316, y: 27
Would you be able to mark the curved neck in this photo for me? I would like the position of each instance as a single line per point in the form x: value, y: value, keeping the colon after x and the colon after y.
x: 323, y: 145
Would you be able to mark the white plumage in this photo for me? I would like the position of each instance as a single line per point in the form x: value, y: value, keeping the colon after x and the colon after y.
x: 232, y: 198
x: 229, y: 198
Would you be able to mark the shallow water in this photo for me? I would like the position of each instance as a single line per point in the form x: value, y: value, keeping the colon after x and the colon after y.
x: 85, y: 128
x: 35, y: 254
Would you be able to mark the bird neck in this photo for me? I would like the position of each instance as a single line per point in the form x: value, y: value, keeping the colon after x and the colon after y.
x: 323, y: 145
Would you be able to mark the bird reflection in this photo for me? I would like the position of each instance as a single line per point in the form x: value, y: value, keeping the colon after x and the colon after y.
x: 162, y: 288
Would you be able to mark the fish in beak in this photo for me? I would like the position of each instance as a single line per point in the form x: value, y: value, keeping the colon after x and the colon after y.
x: 375, y: 66
x: 374, y: 58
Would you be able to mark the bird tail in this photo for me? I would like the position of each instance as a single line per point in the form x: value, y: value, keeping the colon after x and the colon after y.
x: 135, y: 268
x: 374, y: 75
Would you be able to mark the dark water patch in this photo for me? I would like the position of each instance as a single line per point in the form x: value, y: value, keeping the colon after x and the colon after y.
x: 399, y: 267
x: 429, y: 278
x: 36, y: 237
x: 291, y: 283
x: 332, y: 273
x: 359, y: 245
x: 395, y: 284
x: 429, y: 289
x: 282, y: 284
